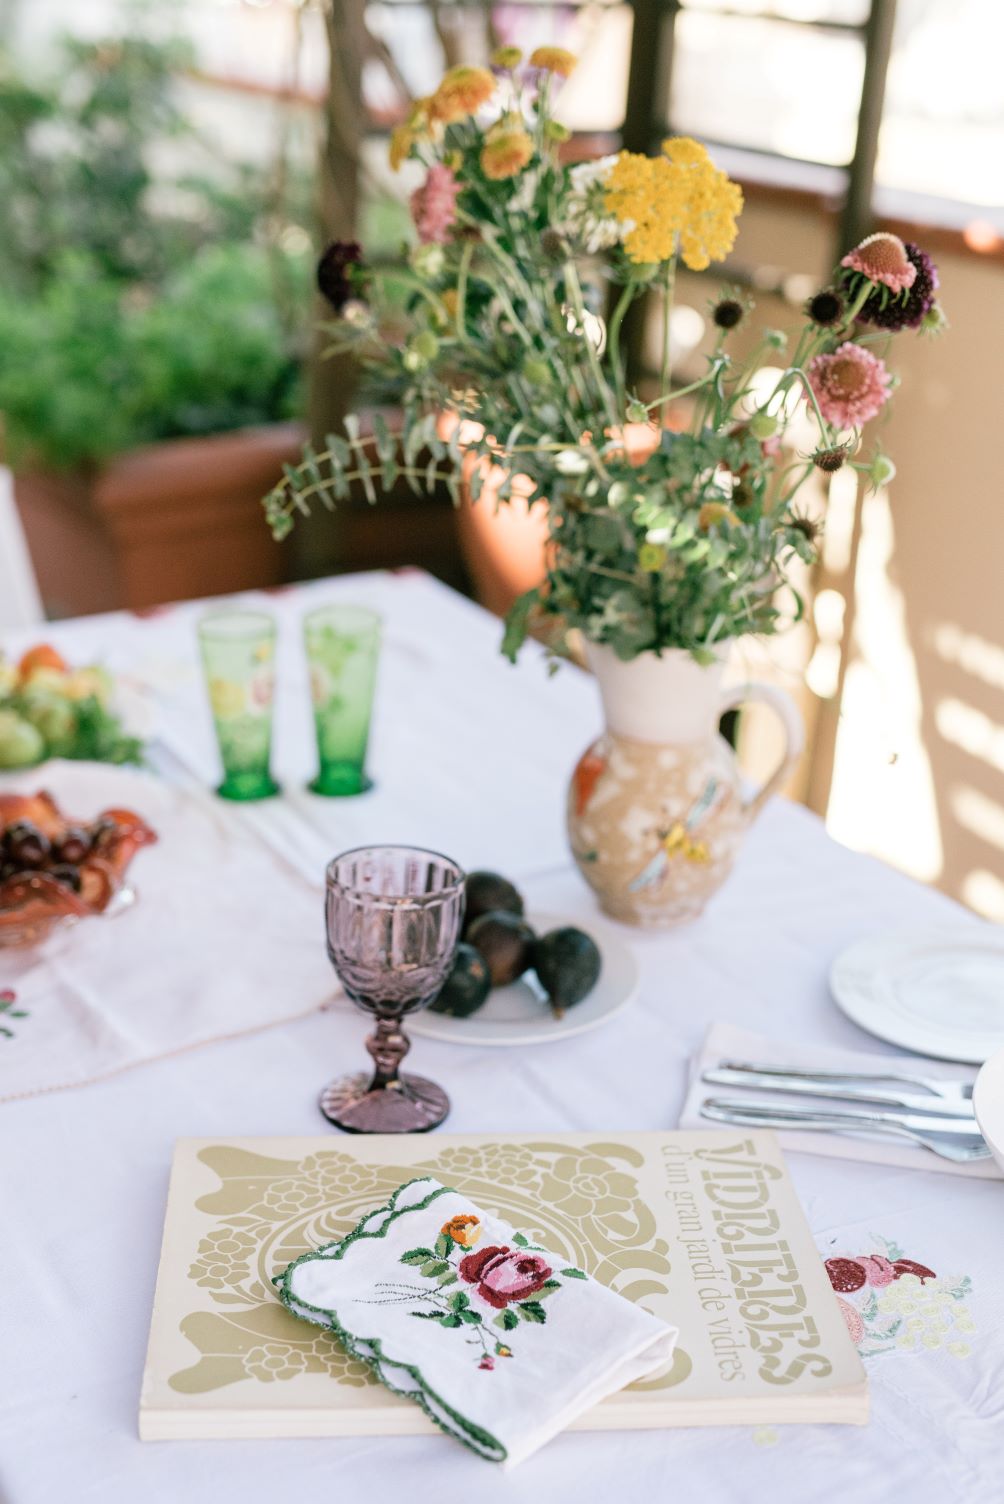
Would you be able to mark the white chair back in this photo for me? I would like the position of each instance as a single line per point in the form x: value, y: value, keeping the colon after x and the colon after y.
x: 20, y: 603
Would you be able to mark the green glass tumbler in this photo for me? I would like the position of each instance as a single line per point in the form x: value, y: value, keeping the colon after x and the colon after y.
x: 238, y: 656
x: 343, y: 645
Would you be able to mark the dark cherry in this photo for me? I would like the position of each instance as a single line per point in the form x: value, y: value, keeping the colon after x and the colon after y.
x: 73, y: 846
x: 102, y: 832
x: 66, y: 873
x: 26, y: 845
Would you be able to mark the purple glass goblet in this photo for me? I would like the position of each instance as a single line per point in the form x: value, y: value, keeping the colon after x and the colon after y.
x: 393, y: 918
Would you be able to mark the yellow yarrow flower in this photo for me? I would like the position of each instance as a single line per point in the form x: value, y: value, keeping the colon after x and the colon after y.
x: 642, y: 191
x: 506, y: 154
x: 506, y: 57
x: 462, y: 92
x: 554, y: 60
x: 679, y: 201
x: 714, y: 205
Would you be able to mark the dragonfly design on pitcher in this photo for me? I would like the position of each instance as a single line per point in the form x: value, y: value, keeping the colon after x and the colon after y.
x: 678, y: 838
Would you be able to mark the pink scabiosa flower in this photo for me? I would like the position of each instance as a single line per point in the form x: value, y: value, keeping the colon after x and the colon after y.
x: 434, y: 205
x: 882, y: 258
x: 851, y: 385
x: 909, y: 310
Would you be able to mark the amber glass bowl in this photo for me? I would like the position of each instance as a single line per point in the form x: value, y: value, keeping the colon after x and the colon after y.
x: 33, y: 904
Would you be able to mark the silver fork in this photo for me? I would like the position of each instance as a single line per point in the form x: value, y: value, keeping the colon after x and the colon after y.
x: 948, y: 1141
x: 948, y: 1091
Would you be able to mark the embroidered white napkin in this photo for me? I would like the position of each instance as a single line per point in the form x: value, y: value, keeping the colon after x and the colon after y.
x: 501, y: 1342
x: 723, y: 1042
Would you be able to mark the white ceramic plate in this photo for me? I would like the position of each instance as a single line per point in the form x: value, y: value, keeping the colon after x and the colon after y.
x: 939, y: 992
x: 988, y: 1104
x: 520, y: 1015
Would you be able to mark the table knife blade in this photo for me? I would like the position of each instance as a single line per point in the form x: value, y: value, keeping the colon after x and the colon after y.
x: 806, y: 1085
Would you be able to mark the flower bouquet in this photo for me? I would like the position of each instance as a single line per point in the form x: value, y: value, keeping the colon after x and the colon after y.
x: 507, y: 312
x: 673, y: 525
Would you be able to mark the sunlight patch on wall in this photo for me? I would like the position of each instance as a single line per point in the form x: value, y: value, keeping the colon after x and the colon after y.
x: 972, y: 730
x: 984, y: 660
x: 882, y: 800
x: 984, y: 892
x: 976, y: 813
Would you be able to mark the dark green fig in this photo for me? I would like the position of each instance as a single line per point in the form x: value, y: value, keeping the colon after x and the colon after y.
x: 506, y: 942
x: 467, y: 985
x: 567, y: 963
x: 488, y: 893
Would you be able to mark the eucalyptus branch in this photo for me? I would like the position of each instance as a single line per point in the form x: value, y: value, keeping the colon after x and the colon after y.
x: 326, y: 476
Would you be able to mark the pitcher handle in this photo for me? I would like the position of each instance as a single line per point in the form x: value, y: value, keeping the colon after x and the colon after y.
x: 787, y: 712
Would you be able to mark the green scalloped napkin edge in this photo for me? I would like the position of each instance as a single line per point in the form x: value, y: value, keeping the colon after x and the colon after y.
x: 394, y: 1373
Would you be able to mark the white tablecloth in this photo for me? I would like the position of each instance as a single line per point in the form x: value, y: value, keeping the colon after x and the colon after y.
x: 472, y: 756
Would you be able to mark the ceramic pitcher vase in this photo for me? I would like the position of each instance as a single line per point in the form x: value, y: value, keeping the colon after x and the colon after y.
x: 656, y: 805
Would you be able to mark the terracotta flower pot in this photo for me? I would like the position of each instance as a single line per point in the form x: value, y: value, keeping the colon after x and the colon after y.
x: 503, y: 543
x: 170, y: 521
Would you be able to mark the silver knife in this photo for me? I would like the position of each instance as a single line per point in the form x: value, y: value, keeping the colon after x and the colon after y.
x: 948, y: 1139
x: 854, y: 1118
x: 807, y: 1085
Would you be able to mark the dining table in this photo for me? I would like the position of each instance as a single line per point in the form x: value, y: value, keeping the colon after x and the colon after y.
x: 469, y: 755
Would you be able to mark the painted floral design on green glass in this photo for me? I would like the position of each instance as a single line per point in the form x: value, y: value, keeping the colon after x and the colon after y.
x: 343, y: 646
x: 238, y: 656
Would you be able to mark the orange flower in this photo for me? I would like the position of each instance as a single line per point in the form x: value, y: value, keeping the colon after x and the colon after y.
x: 463, y: 91
x: 506, y: 154
x: 463, y: 1229
x: 554, y: 60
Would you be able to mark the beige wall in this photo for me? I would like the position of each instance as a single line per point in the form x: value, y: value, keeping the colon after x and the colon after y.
x: 918, y: 777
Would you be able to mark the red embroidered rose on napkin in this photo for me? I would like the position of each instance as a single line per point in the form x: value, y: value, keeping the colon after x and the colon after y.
x: 503, y: 1274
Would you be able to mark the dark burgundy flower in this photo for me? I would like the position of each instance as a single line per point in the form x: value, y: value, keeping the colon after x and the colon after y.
x: 728, y: 313
x: 826, y: 308
x: 504, y: 1274
x: 338, y: 271
x: 810, y: 530
x: 829, y: 460
x: 907, y: 309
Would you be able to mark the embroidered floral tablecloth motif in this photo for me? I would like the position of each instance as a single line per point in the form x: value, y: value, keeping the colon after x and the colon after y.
x: 893, y: 1303
x: 7, y: 1011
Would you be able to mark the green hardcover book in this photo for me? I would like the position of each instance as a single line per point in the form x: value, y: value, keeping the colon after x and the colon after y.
x: 703, y: 1229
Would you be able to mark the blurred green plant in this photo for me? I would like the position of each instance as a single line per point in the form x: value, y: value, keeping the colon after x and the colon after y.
x: 136, y: 305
